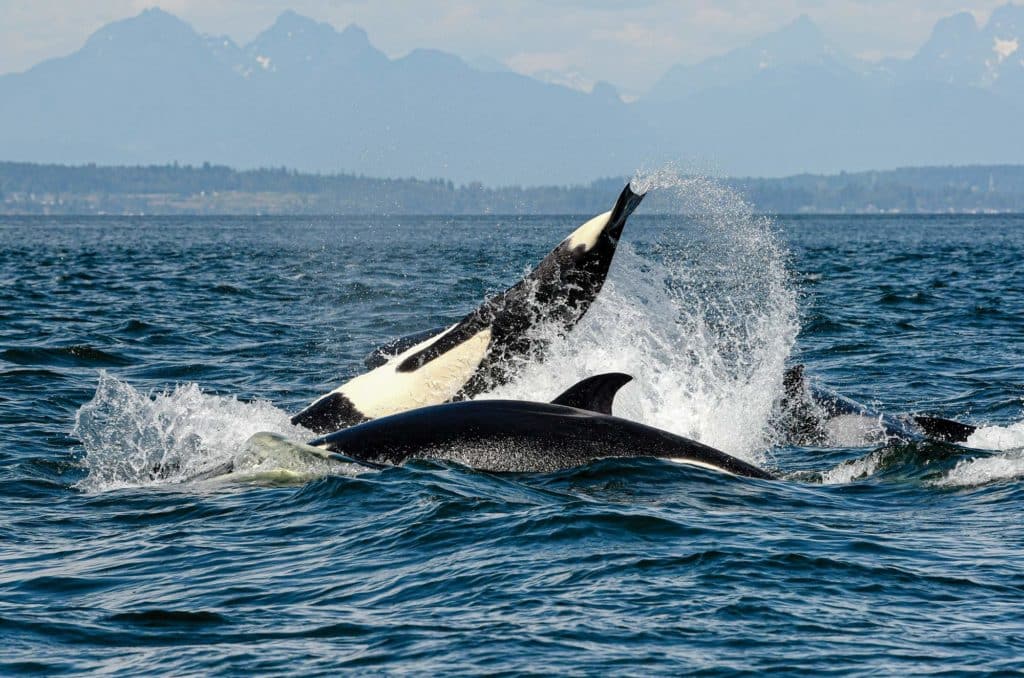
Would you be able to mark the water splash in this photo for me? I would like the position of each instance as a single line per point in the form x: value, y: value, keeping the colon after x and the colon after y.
x: 985, y: 470
x: 998, y: 437
x: 704, y: 322
x: 969, y: 471
x: 133, y: 439
x: 855, y: 469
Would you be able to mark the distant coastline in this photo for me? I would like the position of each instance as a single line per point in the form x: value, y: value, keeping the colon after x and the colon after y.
x: 31, y: 188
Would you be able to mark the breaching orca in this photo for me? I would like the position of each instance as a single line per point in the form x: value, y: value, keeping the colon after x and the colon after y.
x: 812, y: 415
x: 512, y: 436
x: 474, y: 354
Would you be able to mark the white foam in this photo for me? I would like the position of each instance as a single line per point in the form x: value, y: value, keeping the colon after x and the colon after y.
x: 127, y: 434
x: 853, y: 469
x: 854, y: 430
x: 998, y: 437
x: 704, y: 326
x: 985, y: 470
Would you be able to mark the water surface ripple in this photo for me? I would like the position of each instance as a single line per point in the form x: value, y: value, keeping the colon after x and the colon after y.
x: 892, y: 560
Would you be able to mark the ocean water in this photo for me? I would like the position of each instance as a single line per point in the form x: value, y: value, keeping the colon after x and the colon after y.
x: 140, y: 343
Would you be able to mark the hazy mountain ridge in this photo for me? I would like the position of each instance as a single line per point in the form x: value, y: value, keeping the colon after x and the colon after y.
x: 149, y: 89
x: 800, y: 44
x: 793, y: 102
x: 963, y: 53
x: 958, y: 52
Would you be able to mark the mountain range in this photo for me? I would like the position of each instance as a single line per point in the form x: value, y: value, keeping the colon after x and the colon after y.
x: 150, y: 89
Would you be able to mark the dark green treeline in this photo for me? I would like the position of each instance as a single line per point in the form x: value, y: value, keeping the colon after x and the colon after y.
x: 29, y: 188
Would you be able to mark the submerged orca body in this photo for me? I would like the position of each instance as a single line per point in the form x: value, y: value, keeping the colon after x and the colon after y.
x: 512, y: 436
x: 470, y: 356
x: 812, y: 415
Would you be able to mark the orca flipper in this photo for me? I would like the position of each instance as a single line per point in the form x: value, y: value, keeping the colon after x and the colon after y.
x: 385, y: 352
x: 595, y: 394
x: 944, y: 430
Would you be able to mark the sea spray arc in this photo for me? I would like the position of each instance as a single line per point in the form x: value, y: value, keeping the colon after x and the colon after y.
x: 476, y: 352
x: 515, y: 436
x: 702, y: 310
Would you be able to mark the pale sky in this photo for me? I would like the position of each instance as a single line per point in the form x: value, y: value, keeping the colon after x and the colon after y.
x: 630, y: 44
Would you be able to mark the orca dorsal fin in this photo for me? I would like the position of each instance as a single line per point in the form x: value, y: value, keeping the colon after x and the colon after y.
x: 945, y: 430
x: 594, y: 393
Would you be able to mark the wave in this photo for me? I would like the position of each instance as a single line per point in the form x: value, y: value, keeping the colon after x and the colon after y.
x: 64, y: 356
x: 983, y: 470
x: 854, y: 469
x: 992, y: 454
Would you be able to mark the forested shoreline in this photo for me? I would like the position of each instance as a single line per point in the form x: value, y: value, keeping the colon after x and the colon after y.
x: 30, y: 188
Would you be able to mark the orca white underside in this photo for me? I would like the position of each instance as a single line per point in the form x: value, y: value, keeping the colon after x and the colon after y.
x: 587, y: 235
x: 385, y: 390
x: 701, y: 464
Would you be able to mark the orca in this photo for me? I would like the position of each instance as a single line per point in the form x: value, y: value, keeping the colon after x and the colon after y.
x: 514, y: 436
x: 477, y: 352
x: 809, y: 414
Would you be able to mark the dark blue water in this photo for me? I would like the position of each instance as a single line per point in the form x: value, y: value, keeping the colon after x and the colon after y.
x: 200, y: 331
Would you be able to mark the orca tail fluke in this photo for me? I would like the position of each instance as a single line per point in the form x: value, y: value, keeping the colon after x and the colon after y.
x: 624, y: 206
x: 944, y: 430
